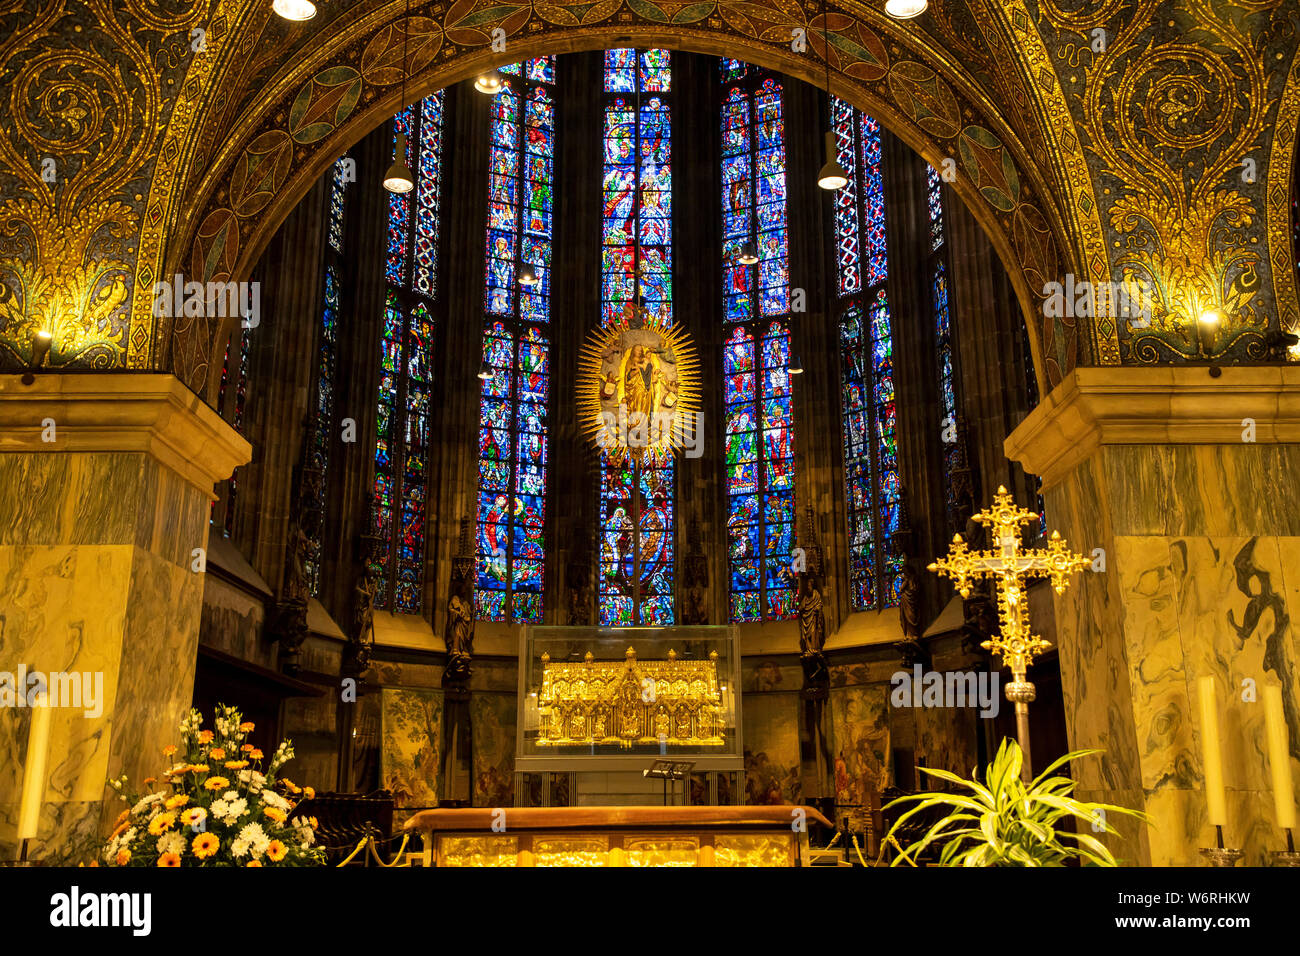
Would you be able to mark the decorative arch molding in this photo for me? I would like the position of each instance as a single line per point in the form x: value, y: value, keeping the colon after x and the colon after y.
x: 1281, y: 180
x: 348, y: 82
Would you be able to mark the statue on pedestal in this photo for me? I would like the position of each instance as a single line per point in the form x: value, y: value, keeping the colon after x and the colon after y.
x: 909, y: 616
x: 812, y: 619
x: 459, y: 634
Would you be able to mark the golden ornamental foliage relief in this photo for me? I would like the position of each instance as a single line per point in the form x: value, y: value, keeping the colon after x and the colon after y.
x: 91, y: 87
x: 1177, y: 103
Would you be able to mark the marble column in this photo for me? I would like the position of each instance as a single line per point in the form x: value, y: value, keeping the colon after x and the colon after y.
x: 1189, y: 483
x: 105, y: 488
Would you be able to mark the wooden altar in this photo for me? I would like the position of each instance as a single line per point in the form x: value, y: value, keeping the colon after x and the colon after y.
x: 617, y: 836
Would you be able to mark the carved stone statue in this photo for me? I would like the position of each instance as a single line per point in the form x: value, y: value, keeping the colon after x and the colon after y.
x: 909, y: 616
x: 812, y: 640
x: 364, y: 614
x: 459, y: 639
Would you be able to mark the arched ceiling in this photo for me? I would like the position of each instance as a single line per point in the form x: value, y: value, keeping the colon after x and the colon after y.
x: 1098, y: 138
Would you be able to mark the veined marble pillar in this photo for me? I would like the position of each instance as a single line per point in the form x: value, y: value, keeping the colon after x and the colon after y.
x: 105, y: 487
x: 1191, y: 485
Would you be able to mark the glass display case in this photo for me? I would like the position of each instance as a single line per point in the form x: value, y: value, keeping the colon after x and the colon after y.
x: 593, y: 698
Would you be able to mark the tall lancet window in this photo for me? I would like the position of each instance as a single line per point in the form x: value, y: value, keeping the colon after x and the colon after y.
x: 637, y: 506
x: 759, y: 417
x: 231, y: 395
x: 516, y: 357
x: 405, y: 353
x: 866, y: 364
x: 322, y: 426
x: 953, y: 450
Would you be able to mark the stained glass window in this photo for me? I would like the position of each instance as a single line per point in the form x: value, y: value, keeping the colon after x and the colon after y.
x: 516, y: 355
x: 231, y: 394
x: 954, y: 450
x: 398, y: 499
x: 323, y: 415
x: 934, y: 203
x: 338, y: 190
x: 637, y: 499
x: 872, y: 489
x: 759, y: 406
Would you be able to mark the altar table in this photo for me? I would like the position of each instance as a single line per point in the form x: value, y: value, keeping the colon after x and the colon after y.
x: 617, y: 836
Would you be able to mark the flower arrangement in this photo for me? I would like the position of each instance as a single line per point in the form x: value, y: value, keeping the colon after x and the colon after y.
x: 215, y: 805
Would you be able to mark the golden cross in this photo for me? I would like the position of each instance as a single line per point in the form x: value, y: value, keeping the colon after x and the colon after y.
x: 1008, y: 566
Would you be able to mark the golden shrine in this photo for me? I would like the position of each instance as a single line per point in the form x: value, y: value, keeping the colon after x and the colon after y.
x: 630, y: 702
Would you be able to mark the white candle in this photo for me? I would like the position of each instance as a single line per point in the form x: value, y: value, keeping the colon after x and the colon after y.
x: 1279, y: 757
x: 1216, y: 800
x: 38, y: 746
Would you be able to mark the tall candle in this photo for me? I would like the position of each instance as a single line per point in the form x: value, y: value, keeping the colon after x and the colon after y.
x: 1216, y: 800
x: 1279, y: 757
x: 38, y: 746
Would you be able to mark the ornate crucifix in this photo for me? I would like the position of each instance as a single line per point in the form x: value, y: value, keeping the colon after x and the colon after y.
x: 1009, y: 566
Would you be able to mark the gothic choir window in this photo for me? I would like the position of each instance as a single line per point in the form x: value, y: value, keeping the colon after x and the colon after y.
x: 516, y: 355
x: 953, y: 449
x: 872, y: 491
x: 327, y: 363
x: 402, y: 422
x: 230, y: 405
x: 637, y: 507
x: 759, y: 414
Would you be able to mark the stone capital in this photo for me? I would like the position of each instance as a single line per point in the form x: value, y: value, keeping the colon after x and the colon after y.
x: 122, y: 412
x: 1166, y: 405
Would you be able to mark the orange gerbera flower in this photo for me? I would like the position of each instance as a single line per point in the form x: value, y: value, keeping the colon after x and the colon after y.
x: 205, y: 736
x: 193, y: 815
x: 256, y: 754
x: 179, y: 800
x: 235, y: 764
x: 253, y: 863
x: 123, y: 857
x: 216, y: 783
x: 309, y: 792
x: 197, y: 768
x: 247, y: 748
x: 150, y: 780
x: 246, y: 727
x: 275, y: 814
x: 169, y: 750
x: 169, y: 859
x: 276, y: 851
x: 216, y: 753
x: 205, y: 845
x: 161, y: 822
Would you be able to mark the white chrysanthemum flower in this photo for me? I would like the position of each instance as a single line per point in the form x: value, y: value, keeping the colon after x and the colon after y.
x: 238, y: 807
x: 239, y: 848
x: 256, y: 837
x: 219, y: 808
x: 147, y: 801
x: 171, y: 842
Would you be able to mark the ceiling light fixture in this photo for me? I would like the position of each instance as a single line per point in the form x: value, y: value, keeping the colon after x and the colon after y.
x: 905, y: 9
x: 527, y: 274
x: 1209, y: 318
x: 399, y: 178
x: 294, y: 10
x: 832, y: 176
x: 748, y: 255
x: 796, y: 367
x: 485, y: 372
x: 489, y: 82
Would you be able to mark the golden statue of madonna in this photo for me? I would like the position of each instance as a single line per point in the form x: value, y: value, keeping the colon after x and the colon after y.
x: 638, y: 386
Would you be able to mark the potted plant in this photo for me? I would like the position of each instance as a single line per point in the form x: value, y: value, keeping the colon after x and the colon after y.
x: 1004, y: 821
